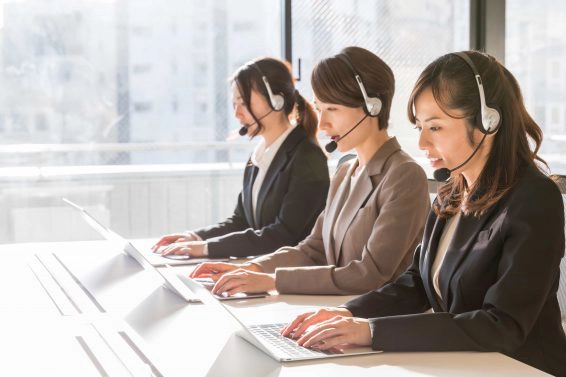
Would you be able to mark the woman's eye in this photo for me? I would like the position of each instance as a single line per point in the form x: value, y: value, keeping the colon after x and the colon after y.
x: 418, y: 128
x: 434, y: 128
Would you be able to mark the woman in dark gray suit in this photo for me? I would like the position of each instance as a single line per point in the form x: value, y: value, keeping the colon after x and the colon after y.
x: 486, y: 273
x: 285, y: 180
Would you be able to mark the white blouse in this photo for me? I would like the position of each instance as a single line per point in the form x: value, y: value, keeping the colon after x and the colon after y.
x: 262, y: 158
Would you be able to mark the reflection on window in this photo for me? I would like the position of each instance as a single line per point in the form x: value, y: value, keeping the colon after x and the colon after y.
x: 142, y: 107
x: 407, y: 35
x: 92, y: 65
x: 535, y: 53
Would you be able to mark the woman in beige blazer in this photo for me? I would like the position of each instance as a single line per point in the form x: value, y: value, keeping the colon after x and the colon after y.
x: 376, y: 206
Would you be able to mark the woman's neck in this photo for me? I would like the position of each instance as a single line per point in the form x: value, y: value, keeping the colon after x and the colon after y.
x: 474, y: 168
x: 367, y: 149
x: 272, y: 131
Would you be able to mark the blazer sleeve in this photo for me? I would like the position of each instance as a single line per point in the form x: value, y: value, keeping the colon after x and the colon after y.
x: 533, y: 245
x: 300, y: 207
x: 405, y: 295
x: 404, y: 203
x: 236, y: 222
x: 310, y: 252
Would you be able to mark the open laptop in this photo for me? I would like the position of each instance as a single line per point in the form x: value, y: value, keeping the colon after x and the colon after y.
x: 151, y: 257
x: 171, y: 278
x: 267, y: 338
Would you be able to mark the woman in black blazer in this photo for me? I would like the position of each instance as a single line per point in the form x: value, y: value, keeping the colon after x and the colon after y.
x: 486, y: 274
x: 286, y: 178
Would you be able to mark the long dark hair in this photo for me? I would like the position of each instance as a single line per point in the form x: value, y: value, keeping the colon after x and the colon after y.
x: 454, y: 88
x: 280, y: 78
x: 333, y: 81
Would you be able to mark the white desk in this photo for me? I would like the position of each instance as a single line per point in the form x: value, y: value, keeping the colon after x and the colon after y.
x: 179, y: 339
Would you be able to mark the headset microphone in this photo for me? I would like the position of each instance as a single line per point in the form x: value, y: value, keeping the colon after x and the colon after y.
x: 442, y: 175
x: 244, y: 130
x: 331, y: 147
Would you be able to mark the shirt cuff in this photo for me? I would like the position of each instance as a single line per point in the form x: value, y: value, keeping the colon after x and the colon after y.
x: 205, y: 249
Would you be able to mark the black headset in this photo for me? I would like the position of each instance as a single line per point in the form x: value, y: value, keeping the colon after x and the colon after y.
x: 490, y: 117
x: 276, y: 101
x: 372, y: 104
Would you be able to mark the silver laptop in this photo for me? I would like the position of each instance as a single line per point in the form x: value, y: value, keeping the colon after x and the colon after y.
x: 151, y: 257
x: 172, y: 278
x: 267, y: 338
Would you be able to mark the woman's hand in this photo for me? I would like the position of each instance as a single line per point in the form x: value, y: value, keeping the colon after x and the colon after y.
x: 300, y: 324
x: 176, y: 237
x: 192, y: 248
x: 336, y: 332
x: 242, y: 280
x: 215, y: 270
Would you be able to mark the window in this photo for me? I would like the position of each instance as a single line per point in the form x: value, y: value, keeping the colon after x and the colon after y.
x: 40, y: 122
x: 407, y: 35
x: 535, y: 43
x: 108, y: 92
x: 141, y: 68
x: 142, y: 107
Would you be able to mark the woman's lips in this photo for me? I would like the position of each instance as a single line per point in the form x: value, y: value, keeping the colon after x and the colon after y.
x: 435, y: 162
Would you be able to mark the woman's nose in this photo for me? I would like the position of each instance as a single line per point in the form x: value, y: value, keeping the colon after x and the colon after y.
x: 423, y: 140
x: 322, y: 122
x: 238, y: 113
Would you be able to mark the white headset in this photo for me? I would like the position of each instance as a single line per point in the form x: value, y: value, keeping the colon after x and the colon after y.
x: 276, y: 101
x: 490, y: 117
x: 372, y: 104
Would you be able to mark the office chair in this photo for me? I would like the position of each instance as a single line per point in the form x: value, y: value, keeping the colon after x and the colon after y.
x: 561, y: 182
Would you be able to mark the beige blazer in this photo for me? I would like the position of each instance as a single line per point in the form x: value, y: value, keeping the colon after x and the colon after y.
x: 383, y: 220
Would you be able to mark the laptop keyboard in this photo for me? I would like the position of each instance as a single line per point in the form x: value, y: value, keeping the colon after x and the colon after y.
x: 271, y: 334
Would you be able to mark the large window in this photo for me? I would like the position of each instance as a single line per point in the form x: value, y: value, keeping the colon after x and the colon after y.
x: 407, y: 35
x: 535, y: 41
x: 124, y: 107
x: 115, y: 73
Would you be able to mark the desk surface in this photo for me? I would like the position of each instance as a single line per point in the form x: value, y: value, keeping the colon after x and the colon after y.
x: 48, y: 334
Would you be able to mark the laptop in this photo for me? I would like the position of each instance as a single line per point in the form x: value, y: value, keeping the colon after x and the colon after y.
x: 171, y: 278
x: 170, y: 273
x: 155, y: 259
x: 267, y: 338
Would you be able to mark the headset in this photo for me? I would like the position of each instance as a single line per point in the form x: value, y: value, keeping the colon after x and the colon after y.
x: 490, y: 117
x: 372, y: 104
x: 276, y: 101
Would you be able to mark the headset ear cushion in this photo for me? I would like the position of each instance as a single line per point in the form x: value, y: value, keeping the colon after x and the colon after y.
x: 277, y: 102
x: 374, y: 106
x: 492, y: 120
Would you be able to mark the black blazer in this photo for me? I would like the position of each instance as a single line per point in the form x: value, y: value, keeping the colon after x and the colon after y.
x: 498, y: 284
x: 292, y: 195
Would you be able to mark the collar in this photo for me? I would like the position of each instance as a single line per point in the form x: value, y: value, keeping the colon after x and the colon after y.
x: 262, y: 156
x: 377, y: 162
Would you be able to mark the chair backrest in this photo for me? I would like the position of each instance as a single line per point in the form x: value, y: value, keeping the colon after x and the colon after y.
x: 561, y: 182
x: 344, y: 158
